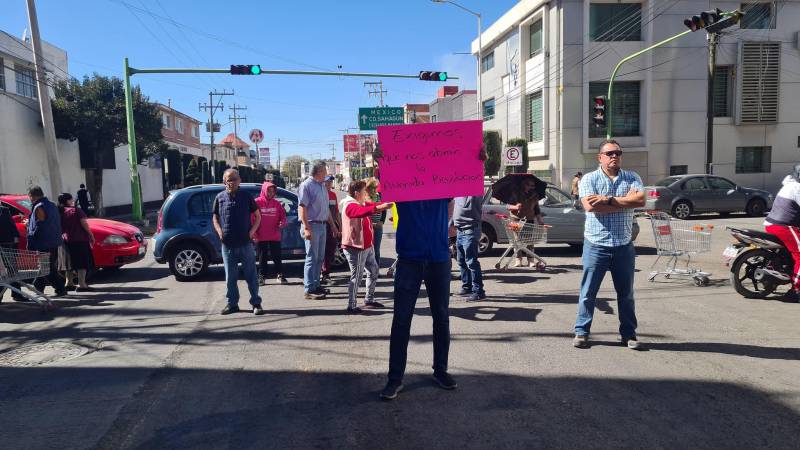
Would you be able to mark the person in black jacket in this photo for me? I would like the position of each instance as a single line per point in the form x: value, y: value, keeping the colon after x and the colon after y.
x: 9, y: 239
x: 83, y: 199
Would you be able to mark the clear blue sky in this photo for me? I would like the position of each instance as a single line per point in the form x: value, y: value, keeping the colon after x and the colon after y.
x: 402, y: 36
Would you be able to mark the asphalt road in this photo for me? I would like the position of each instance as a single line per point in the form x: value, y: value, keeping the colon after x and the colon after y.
x: 147, y: 362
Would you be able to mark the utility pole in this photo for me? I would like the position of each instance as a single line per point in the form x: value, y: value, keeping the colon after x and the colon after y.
x: 53, y: 167
x: 279, y: 156
x: 377, y: 90
x: 333, y: 152
x: 210, y: 107
x: 713, y: 40
x: 236, y: 120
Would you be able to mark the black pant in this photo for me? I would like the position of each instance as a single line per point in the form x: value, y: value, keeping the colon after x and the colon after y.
x: 266, y: 248
x: 54, y: 278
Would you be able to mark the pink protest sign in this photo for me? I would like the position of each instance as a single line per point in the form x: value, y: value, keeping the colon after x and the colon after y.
x: 431, y: 160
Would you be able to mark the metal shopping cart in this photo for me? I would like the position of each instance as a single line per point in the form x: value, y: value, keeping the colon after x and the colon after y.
x: 522, y: 236
x: 20, y: 266
x: 676, y: 239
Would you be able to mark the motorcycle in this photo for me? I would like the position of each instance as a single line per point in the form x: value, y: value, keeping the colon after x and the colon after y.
x: 759, y: 263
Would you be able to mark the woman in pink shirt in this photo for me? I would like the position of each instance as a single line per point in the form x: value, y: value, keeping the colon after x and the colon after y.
x: 357, y: 243
x: 273, y: 220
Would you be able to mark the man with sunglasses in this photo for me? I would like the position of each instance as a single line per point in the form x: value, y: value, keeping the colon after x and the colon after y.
x: 609, y: 196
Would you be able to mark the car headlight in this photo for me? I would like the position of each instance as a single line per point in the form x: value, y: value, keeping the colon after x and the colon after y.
x: 115, y: 239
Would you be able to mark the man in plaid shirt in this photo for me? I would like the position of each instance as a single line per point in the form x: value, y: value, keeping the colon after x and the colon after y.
x: 609, y: 196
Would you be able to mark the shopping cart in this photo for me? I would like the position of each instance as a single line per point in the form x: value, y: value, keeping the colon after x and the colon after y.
x: 522, y: 236
x: 677, y: 239
x: 20, y: 266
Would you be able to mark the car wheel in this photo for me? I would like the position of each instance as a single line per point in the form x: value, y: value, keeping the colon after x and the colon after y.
x: 681, y: 210
x: 756, y: 207
x: 486, y: 241
x: 188, y: 262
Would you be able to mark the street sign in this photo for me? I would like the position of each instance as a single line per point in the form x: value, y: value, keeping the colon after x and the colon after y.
x: 208, y: 127
x: 512, y: 156
x: 256, y: 136
x: 372, y: 118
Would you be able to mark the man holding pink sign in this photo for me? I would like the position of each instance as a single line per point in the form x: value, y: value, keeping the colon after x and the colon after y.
x: 422, y: 168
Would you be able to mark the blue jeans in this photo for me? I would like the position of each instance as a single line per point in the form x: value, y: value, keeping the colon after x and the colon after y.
x: 597, y: 260
x: 315, y: 253
x: 378, y: 236
x: 231, y: 257
x: 408, y: 278
x: 467, y: 255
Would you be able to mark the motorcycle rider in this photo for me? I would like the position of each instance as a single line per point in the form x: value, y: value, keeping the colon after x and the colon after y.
x: 783, y: 222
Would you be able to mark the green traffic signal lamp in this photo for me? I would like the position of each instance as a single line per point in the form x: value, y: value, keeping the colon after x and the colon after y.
x: 255, y: 69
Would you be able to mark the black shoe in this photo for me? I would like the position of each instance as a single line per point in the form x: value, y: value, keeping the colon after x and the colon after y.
x: 70, y: 288
x: 84, y: 289
x: 476, y: 297
x: 444, y: 380
x: 391, y: 390
x: 258, y: 310
x: 63, y: 293
x: 372, y: 305
x: 229, y: 310
x: 322, y: 291
x: 355, y: 310
x: 792, y: 295
x: 326, y: 280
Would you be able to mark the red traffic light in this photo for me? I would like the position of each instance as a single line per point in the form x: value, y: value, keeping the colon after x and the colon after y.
x: 599, y: 117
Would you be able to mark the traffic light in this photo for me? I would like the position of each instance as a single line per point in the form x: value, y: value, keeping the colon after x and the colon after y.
x: 245, y: 69
x: 600, y: 111
x: 710, y: 20
x: 432, y: 76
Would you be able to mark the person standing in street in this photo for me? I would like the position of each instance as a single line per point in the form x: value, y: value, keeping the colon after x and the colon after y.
x: 527, y: 207
x: 78, y: 239
x: 378, y: 218
x: 576, y: 180
x: 609, y: 196
x: 44, y: 235
x: 332, y: 231
x: 236, y: 219
x: 467, y: 215
x: 783, y: 222
x: 314, y: 214
x: 423, y: 255
x: 273, y: 220
x: 83, y: 200
x: 9, y: 240
x: 357, y: 243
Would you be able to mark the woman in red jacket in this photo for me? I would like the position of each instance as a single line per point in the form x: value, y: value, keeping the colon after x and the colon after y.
x: 273, y: 220
x: 357, y: 243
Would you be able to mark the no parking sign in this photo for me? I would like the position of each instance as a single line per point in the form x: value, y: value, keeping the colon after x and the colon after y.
x: 512, y: 156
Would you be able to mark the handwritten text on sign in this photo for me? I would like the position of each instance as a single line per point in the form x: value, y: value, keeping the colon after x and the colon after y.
x: 430, y: 161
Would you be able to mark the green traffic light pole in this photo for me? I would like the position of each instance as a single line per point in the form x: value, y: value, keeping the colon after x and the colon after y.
x: 136, y: 196
x: 609, y: 102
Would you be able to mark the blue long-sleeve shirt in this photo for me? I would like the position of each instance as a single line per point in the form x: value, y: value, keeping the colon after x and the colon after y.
x: 422, y: 230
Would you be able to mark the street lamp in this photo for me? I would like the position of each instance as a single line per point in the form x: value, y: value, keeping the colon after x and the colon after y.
x: 480, y: 48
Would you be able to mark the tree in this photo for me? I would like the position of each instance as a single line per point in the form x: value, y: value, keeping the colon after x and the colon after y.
x: 493, y: 145
x: 523, y: 144
x: 192, y: 177
x: 93, y: 112
x: 277, y: 179
x: 293, y: 165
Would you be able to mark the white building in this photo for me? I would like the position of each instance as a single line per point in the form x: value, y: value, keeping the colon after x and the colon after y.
x: 543, y: 63
x: 453, y: 105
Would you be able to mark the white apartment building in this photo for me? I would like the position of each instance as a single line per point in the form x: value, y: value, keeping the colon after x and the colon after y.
x: 452, y: 104
x: 543, y: 62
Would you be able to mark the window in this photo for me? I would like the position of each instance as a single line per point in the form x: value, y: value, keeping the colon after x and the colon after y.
x: 720, y: 183
x: 201, y: 204
x: 757, y: 16
x: 488, y: 109
x: 2, y: 75
x: 179, y: 125
x: 760, y: 66
x: 667, y: 181
x: 433, y: 118
x: 678, y: 170
x: 196, y: 131
x: 487, y: 62
x: 723, y: 91
x: 536, y: 38
x: 166, y: 120
x: 615, y: 22
x: 555, y: 197
x: 694, y: 184
x: 753, y: 159
x: 535, y: 125
x: 26, y: 81
x: 625, y: 108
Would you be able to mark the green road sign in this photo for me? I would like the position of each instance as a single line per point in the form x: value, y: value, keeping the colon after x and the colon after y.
x: 371, y: 118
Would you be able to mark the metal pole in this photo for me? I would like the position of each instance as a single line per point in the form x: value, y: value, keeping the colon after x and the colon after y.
x: 480, y: 68
x: 283, y: 72
x: 713, y: 39
x: 136, y: 200
x: 51, y: 149
x: 214, y: 161
x: 609, y: 101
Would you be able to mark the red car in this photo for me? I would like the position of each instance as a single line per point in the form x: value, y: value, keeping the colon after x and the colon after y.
x: 116, y: 243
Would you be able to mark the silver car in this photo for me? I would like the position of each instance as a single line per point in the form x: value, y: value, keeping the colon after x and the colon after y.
x: 564, y: 214
x: 684, y: 195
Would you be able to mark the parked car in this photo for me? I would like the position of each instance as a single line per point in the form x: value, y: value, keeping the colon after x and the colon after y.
x: 564, y: 214
x: 684, y: 195
x: 116, y: 243
x: 185, y: 237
